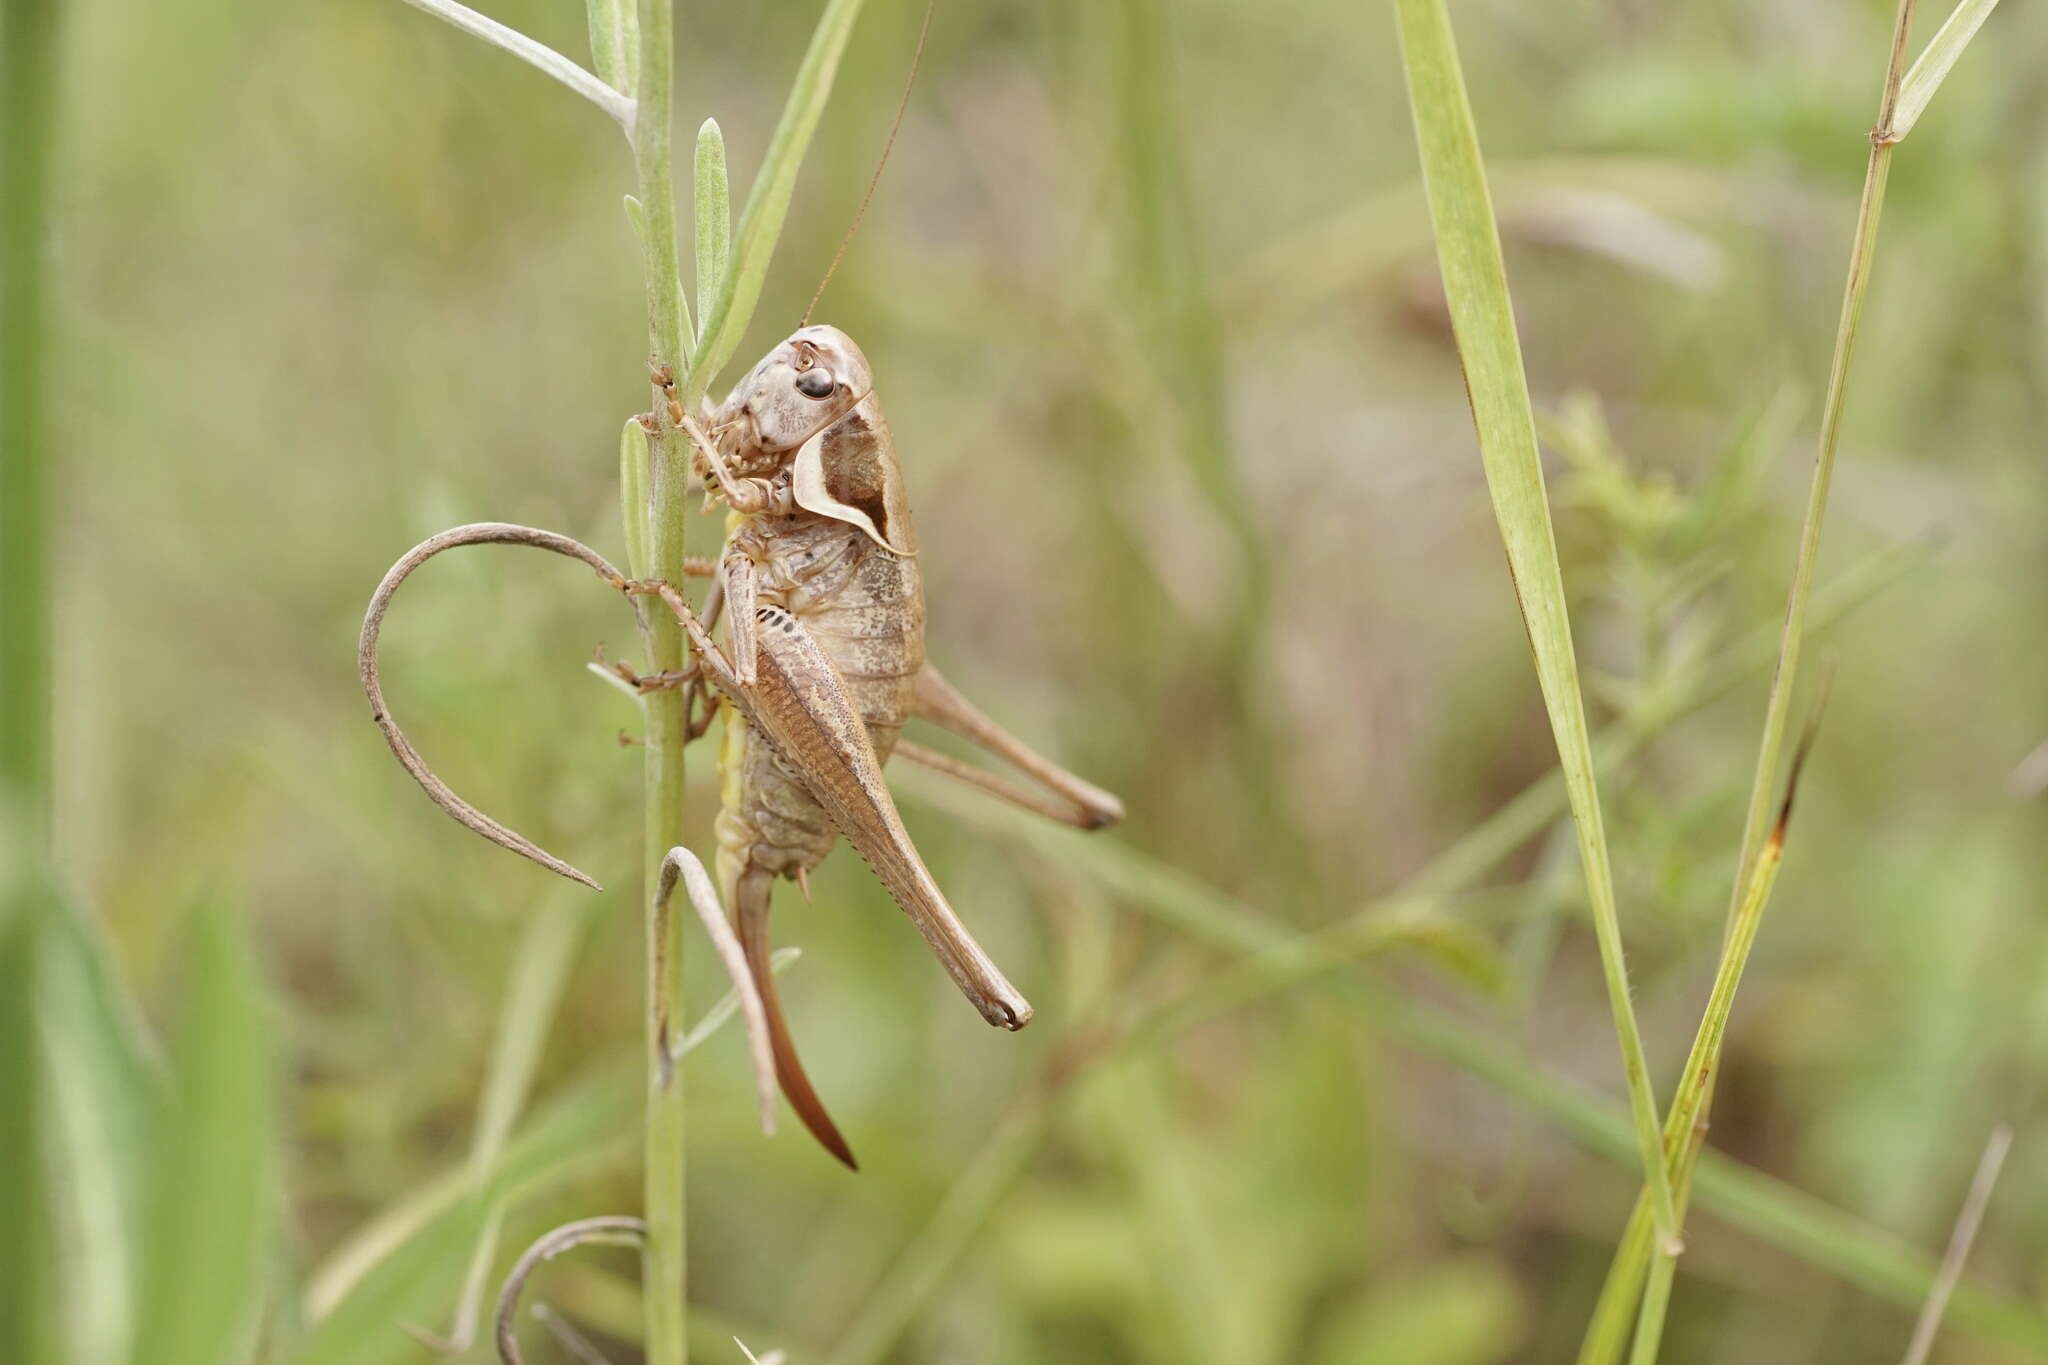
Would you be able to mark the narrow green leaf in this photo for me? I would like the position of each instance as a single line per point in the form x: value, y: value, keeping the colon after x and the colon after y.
x: 615, y: 66
x: 636, y: 215
x: 629, y: 46
x: 1932, y: 66
x: 714, y: 216
x: 211, y: 1199
x: 768, y: 202
x: 1476, y: 288
x: 104, y: 1098
x: 635, y: 502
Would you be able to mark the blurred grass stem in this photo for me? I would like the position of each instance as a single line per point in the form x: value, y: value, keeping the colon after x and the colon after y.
x: 1778, y: 710
x: 1756, y: 868
x: 28, y: 89
x: 1960, y: 1241
x: 29, y: 1326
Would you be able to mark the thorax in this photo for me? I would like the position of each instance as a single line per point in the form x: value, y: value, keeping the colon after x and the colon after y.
x: 808, y: 563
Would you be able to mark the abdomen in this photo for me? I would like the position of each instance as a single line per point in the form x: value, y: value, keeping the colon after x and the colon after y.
x: 865, y: 608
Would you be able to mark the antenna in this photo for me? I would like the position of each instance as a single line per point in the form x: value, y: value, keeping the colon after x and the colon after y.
x: 916, y: 60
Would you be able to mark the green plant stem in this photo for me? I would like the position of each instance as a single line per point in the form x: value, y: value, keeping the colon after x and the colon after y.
x: 664, y: 1259
x: 1778, y: 710
x: 1656, y: 1299
x: 1753, y: 878
x: 1685, y: 1128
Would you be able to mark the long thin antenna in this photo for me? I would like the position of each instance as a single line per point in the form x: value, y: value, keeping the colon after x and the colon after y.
x: 916, y: 60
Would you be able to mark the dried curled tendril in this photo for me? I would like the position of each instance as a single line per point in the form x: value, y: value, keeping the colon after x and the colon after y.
x: 614, y: 1230
x: 478, y: 533
x: 679, y: 865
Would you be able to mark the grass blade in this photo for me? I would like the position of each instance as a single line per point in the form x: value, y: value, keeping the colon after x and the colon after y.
x: 212, y: 1194
x: 1761, y: 839
x: 1476, y: 287
x: 104, y: 1098
x: 1932, y: 66
x: 768, y: 202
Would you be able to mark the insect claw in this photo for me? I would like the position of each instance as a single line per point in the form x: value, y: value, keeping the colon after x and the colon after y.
x: 620, y: 670
x: 627, y: 741
x: 803, y: 883
x: 659, y: 682
x: 700, y: 706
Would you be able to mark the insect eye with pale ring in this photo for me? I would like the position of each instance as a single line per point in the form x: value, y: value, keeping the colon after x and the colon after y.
x: 815, y: 383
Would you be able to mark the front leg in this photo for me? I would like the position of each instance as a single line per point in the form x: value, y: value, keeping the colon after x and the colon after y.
x: 750, y: 497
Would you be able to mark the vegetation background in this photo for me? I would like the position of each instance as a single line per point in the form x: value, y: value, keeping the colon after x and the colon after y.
x: 1150, y: 294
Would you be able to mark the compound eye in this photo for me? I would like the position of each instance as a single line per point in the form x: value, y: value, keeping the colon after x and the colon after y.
x: 815, y: 383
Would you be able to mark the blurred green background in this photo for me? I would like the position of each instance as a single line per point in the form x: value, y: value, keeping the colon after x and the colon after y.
x: 1149, y: 293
